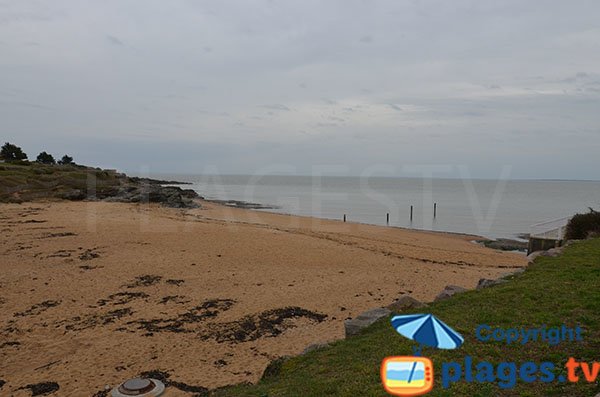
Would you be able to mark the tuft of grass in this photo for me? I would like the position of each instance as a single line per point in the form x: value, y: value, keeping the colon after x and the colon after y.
x: 552, y: 292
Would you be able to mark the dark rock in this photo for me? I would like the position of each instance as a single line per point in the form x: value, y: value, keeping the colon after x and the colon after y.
x: 244, y: 204
x: 486, y: 283
x: 510, y: 274
x: 531, y: 257
x: 274, y: 367
x: 74, y: 195
x: 356, y: 325
x: 552, y: 252
x: 505, y: 244
x: 313, y: 347
x: 157, y: 181
x: 449, y: 291
x: 404, y: 303
x: 169, y: 196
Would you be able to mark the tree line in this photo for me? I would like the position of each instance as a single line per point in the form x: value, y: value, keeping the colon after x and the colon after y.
x: 11, y: 153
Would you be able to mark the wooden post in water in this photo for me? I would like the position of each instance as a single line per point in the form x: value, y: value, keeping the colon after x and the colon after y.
x: 434, y: 209
x: 387, y: 219
x: 411, y: 212
x: 344, y: 217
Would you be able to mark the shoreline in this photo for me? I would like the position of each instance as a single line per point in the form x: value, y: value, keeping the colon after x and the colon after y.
x: 149, y: 284
x: 268, y: 208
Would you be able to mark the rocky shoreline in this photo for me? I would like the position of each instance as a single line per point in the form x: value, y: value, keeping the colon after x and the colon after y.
x: 141, y: 192
x: 33, y: 181
x: 244, y: 204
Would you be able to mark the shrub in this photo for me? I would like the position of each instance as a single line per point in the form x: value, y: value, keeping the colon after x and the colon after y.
x: 45, y: 158
x: 66, y: 160
x: 10, y: 152
x: 582, y: 226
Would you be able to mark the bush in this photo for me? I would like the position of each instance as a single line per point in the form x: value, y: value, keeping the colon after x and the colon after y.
x: 582, y: 226
x: 66, y: 160
x: 10, y: 152
x: 45, y: 158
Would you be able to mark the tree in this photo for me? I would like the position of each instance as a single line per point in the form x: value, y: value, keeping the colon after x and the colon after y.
x: 10, y: 152
x: 66, y: 160
x: 45, y: 158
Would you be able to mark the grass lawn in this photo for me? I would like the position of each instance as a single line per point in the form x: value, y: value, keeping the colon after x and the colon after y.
x: 552, y: 292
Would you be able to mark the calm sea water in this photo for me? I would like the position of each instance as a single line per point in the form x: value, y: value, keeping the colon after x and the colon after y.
x: 491, y: 208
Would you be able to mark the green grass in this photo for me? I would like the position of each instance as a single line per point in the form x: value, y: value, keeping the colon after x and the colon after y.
x: 29, y: 181
x: 552, y: 292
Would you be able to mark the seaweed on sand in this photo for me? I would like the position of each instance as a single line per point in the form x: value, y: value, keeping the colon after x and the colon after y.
x: 268, y: 323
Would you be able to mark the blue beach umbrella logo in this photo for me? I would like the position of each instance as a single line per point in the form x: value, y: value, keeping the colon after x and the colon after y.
x: 413, y: 375
x: 427, y: 330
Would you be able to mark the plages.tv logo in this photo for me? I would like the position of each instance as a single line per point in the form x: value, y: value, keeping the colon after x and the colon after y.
x: 413, y: 375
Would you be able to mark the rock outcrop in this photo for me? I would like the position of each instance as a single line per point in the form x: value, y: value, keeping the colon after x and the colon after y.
x: 405, y: 303
x: 449, y: 291
x: 354, y: 326
x: 169, y: 196
x: 486, y: 283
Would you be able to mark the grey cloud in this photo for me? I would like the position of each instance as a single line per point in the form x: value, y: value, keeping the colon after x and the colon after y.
x: 114, y: 40
x: 474, y: 72
x: 277, y: 106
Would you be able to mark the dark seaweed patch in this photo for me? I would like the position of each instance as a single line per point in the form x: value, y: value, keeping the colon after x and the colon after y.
x: 121, y: 298
x: 41, y: 389
x: 144, y: 281
x: 10, y: 343
x: 208, y: 309
x: 175, y: 282
x: 88, y: 267
x: 60, y: 254
x: 172, y: 298
x: 62, y: 234
x: 79, y: 324
x: 88, y: 255
x: 113, y: 315
x: 38, y: 308
x: 269, y: 323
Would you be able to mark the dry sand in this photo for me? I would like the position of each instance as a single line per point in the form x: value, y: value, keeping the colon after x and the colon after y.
x: 95, y: 293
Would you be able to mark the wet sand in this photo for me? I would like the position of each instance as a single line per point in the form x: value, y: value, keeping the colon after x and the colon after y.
x: 95, y: 293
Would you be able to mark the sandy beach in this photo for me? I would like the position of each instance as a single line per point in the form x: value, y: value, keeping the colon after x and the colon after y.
x: 93, y: 293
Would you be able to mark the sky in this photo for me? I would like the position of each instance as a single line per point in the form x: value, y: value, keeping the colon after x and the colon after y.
x: 264, y: 86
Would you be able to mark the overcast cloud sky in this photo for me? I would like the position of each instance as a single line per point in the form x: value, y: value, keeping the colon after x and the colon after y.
x: 176, y: 86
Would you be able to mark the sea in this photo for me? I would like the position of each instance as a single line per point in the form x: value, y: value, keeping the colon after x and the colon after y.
x: 489, y: 208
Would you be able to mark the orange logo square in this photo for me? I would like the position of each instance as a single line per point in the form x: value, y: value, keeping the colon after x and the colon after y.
x: 407, y: 375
